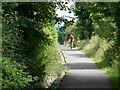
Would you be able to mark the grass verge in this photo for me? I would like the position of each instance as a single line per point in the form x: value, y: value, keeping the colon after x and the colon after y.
x: 111, y: 71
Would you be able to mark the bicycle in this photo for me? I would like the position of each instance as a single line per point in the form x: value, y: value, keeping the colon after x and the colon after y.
x: 71, y: 44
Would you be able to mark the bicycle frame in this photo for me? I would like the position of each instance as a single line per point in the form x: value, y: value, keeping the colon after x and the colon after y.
x: 71, y: 44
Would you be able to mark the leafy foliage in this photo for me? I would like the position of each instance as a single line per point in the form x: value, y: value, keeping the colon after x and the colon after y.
x: 98, y: 30
x: 84, y: 20
x: 29, y: 44
x: 13, y: 75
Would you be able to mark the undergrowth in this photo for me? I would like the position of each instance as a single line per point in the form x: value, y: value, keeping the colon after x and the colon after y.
x: 104, y: 54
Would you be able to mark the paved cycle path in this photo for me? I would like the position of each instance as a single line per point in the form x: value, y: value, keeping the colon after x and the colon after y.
x: 83, y: 73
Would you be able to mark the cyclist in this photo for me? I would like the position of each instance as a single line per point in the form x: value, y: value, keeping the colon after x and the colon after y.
x: 71, y: 41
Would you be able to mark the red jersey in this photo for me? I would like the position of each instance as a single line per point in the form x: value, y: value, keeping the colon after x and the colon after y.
x: 72, y: 38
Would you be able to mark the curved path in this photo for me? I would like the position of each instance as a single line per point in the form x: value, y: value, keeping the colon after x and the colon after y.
x: 83, y: 73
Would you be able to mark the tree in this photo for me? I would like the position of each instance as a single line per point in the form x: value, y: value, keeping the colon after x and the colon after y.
x: 29, y: 44
x: 84, y: 21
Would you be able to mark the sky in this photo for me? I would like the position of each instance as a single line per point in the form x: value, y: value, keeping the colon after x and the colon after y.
x: 65, y: 13
x: 62, y: 13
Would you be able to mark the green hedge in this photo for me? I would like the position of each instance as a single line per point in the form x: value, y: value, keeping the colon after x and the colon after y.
x: 13, y: 75
x: 29, y: 45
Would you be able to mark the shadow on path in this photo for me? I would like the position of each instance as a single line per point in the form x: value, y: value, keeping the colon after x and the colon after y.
x: 83, y: 73
x: 70, y: 49
x: 78, y: 55
x: 81, y: 66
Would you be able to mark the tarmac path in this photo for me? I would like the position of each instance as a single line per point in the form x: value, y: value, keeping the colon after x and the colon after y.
x: 83, y: 73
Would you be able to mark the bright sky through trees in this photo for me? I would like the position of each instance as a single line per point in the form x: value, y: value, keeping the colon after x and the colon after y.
x: 65, y: 14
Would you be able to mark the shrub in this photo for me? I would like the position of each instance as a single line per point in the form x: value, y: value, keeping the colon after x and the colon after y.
x: 13, y: 75
x: 31, y: 41
x: 110, y: 56
x: 81, y: 43
x: 104, y: 46
x: 92, y: 46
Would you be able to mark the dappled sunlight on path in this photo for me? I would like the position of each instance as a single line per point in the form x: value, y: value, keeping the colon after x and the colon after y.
x: 83, y: 72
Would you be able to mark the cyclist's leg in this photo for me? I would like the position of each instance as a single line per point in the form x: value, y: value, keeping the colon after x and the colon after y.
x: 72, y: 44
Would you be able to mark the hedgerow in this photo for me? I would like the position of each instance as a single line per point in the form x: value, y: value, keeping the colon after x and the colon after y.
x: 29, y: 40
